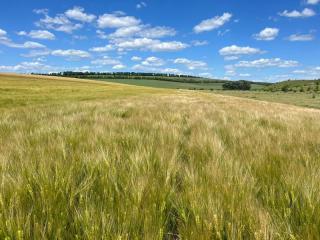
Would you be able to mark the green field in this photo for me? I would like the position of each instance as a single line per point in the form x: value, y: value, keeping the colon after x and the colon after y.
x: 166, y: 84
x: 303, y: 99
x: 296, y: 86
x: 173, y: 85
x: 95, y: 160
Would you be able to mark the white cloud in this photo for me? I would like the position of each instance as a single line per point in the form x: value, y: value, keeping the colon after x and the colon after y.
x: 198, y: 43
x: 191, y: 64
x: 222, y: 33
x: 2, y: 32
x: 236, y: 50
x: 206, y: 75
x: 101, y: 34
x: 106, y: 61
x: 265, y: 62
x: 37, y: 53
x: 38, y: 34
x: 58, y: 23
x: 143, y: 31
x: 153, y: 61
x: 299, y: 71
x: 26, y: 67
x: 71, y: 53
x: 307, y: 12
x: 4, y: 40
x: 157, y: 32
x: 300, y: 37
x: 26, y: 45
x: 158, y: 46
x: 267, y: 34
x: 118, y: 67
x: 77, y: 13
x: 43, y: 11
x: 141, y: 5
x: 231, y: 58
x: 171, y: 71
x: 136, y: 59
x: 106, y: 48
x: 149, y: 44
x: 126, y: 31
x: 212, y: 23
x: 308, y: 73
x: 313, y: 2
x: 139, y: 67
x: 117, y: 20
x: 244, y: 75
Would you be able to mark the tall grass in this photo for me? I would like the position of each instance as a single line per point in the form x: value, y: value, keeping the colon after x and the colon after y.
x: 159, y: 166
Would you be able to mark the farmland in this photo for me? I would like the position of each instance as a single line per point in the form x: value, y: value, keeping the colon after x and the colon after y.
x: 303, y: 99
x: 85, y: 159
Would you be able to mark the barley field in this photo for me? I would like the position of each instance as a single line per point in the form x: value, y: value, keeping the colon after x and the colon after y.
x: 92, y: 160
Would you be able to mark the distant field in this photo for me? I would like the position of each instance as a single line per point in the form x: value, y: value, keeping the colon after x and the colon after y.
x: 43, y: 90
x: 95, y: 160
x: 296, y: 86
x: 173, y: 85
x: 304, y: 99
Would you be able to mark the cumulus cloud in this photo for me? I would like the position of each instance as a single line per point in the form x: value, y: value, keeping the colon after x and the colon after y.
x: 153, y: 61
x: 143, y: 31
x: 305, y: 13
x: 119, y: 67
x: 141, y: 5
x: 60, y: 23
x: 2, y: 33
x: 212, y: 23
x: 106, y: 61
x: 106, y: 48
x: 26, y: 45
x: 117, y: 20
x: 313, y: 2
x: 267, y: 34
x: 310, y: 72
x: 37, y: 53
x: 191, y: 64
x: 136, y: 59
x: 38, y: 34
x: 101, y: 34
x: 26, y: 67
x: 244, y: 75
x: 234, y: 50
x: 267, y: 62
x: 5, y: 40
x: 154, y: 45
x: 198, y: 43
x: 77, y: 13
x: 140, y: 67
x: 231, y: 58
x: 300, y: 37
x: 71, y: 53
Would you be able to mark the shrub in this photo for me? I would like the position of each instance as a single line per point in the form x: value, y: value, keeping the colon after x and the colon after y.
x: 237, y: 85
x: 285, y: 88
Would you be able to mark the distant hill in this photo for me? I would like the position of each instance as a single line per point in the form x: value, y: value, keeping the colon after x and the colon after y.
x: 295, y: 86
x: 158, y: 80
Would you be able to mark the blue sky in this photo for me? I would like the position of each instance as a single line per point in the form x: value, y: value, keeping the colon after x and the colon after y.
x: 231, y: 39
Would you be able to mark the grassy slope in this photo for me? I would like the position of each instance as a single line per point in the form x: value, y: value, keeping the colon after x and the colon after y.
x: 303, y: 99
x: 295, y: 85
x: 173, y: 85
x: 149, y: 164
x: 44, y: 90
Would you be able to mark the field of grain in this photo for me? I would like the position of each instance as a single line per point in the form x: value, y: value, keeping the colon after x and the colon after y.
x: 92, y: 160
x: 302, y: 99
x: 174, y: 84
